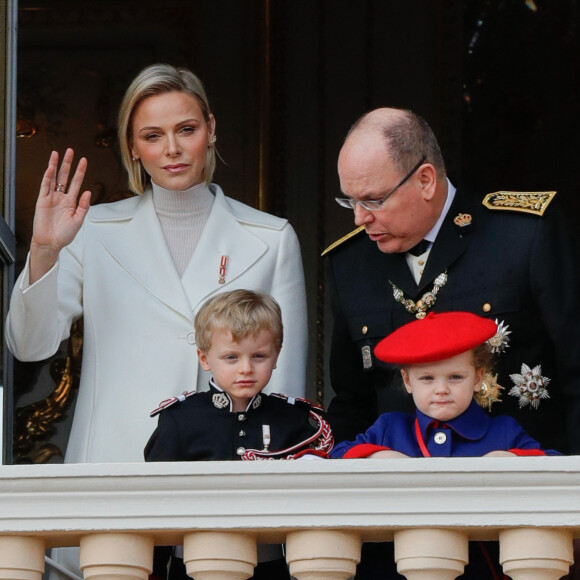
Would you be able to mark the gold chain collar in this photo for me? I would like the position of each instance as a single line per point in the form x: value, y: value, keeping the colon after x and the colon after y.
x: 419, y: 308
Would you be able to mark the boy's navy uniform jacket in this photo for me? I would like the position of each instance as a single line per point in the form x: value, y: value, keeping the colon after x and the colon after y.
x: 473, y: 434
x: 203, y: 428
x: 513, y: 267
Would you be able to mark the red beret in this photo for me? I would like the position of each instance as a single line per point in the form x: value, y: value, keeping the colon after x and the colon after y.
x: 435, y: 337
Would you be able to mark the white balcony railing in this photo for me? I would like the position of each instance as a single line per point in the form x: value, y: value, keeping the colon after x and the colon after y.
x: 322, y: 510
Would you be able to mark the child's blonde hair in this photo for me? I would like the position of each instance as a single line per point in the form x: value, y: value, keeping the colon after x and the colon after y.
x: 483, y: 357
x: 243, y: 313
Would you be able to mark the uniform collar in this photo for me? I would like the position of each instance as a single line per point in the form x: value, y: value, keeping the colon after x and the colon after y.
x: 448, y: 247
x: 221, y: 400
x: 472, y: 424
x: 432, y: 233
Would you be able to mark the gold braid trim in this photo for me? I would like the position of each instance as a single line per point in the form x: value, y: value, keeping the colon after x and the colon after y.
x: 534, y: 202
x: 343, y: 239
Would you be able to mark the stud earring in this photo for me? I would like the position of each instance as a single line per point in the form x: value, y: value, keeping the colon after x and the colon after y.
x: 212, y: 140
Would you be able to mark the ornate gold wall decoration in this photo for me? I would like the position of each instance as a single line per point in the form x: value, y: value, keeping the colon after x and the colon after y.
x: 34, y: 423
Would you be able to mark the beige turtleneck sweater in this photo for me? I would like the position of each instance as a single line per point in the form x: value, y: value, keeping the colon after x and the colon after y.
x: 182, y: 215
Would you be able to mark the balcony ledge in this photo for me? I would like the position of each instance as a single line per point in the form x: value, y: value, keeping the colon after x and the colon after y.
x: 61, y: 503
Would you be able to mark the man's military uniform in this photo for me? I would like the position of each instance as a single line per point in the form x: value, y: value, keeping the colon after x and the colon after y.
x: 516, y: 263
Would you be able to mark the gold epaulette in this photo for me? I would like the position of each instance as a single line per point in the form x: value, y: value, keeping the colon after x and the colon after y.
x: 343, y: 239
x: 534, y: 202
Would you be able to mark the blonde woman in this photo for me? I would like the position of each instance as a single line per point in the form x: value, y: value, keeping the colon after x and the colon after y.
x: 138, y: 270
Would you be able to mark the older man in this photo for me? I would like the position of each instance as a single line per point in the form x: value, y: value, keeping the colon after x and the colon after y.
x: 421, y: 246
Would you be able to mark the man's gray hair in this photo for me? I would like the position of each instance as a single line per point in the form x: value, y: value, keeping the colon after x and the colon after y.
x: 407, y: 137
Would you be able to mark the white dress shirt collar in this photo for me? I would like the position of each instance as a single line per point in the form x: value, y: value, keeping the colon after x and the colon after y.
x: 432, y: 233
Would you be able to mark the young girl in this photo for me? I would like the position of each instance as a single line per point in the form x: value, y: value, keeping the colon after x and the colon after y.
x: 445, y: 363
x: 443, y: 360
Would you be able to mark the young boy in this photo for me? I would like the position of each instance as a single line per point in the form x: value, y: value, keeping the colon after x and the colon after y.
x: 239, y: 337
x: 443, y: 359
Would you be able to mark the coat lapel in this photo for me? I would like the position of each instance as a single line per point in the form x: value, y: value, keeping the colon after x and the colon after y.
x: 448, y: 247
x: 140, y: 249
x: 223, y: 235
x: 399, y: 273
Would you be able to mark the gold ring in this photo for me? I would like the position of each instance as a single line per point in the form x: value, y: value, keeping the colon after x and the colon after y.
x: 61, y: 187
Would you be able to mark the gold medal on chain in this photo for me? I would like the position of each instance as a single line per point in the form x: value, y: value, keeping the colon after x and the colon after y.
x: 419, y: 308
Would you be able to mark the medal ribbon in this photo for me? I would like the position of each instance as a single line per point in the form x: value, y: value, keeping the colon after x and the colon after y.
x: 223, y: 269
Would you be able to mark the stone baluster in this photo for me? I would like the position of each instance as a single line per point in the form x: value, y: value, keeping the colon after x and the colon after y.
x: 323, y: 554
x: 118, y: 556
x: 431, y: 554
x: 21, y: 558
x: 220, y: 555
x: 535, y: 553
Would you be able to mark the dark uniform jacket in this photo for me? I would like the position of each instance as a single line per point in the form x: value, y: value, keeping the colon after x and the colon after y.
x: 472, y: 434
x: 510, y: 266
x: 203, y: 428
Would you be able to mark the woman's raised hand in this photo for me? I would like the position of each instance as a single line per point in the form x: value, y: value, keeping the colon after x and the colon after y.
x: 59, y: 212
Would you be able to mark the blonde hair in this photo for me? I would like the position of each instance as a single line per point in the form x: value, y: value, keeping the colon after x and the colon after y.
x: 483, y: 357
x: 243, y: 313
x: 158, y: 79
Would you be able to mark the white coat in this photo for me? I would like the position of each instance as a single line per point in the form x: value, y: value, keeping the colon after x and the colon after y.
x: 139, y: 341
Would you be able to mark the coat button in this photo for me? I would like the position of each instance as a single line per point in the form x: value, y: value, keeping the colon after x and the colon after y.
x: 365, y: 329
x: 190, y: 337
x: 486, y: 307
x: 440, y: 438
x: 242, y: 433
x: 241, y: 417
x: 240, y: 450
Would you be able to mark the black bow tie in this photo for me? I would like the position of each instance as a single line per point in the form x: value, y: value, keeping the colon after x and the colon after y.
x: 420, y: 248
